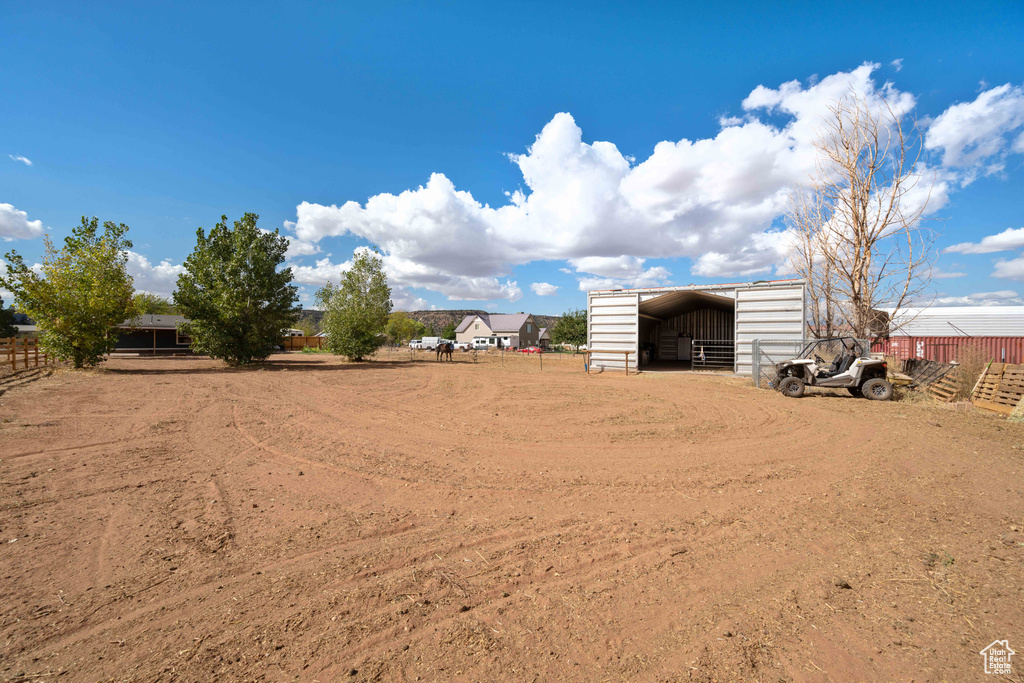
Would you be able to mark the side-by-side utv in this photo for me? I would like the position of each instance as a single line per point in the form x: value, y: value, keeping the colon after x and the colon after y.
x: 851, y: 368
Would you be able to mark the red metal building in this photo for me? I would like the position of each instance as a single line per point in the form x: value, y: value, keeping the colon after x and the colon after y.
x: 941, y: 333
x: 947, y: 349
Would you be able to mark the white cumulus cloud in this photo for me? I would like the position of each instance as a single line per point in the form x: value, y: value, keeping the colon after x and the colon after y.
x: 940, y: 274
x: 160, y: 278
x: 324, y: 271
x: 319, y: 274
x: 19, y: 158
x: 404, y: 300
x: 5, y: 294
x: 297, y: 247
x: 1010, y: 269
x: 618, y: 272
x: 1005, y: 297
x: 15, y: 225
x: 977, y: 134
x: 610, y: 266
x: 714, y: 200
x: 1011, y: 238
x: 544, y: 289
x: 652, y: 277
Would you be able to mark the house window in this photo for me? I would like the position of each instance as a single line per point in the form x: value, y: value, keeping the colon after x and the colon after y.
x: 476, y: 326
x: 183, y: 341
x: 529, y: 328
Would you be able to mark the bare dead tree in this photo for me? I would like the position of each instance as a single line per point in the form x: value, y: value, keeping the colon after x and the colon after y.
x: 861, y: 241
x: 805, y: 217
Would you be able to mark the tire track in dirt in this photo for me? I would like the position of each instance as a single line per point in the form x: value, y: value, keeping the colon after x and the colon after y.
x: 63, y: 449
x: 710, y: 552
x: 292, y: 564
x: 77, y: 495
x: 204, y: 586
x: 103, y: 551
x: 584, y: 575
x: 135, y: 433
x: 262, y: 445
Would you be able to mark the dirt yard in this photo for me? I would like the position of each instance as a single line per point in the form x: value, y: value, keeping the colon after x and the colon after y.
x: 172, y: 519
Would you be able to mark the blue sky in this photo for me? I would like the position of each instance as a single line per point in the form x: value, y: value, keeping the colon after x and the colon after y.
x: 656, y: 139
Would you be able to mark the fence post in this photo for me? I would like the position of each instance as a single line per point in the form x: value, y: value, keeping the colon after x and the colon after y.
x: 10, y: 351
x: 26, y: 353
x: 755, y: 363
x: 35, y: 348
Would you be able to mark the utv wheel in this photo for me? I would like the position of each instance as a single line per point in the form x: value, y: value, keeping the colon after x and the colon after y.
x: 877, y: 389
x: 855, y: 391
x: 792, y: 387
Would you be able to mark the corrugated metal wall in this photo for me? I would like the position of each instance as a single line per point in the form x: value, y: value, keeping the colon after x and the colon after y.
x: 961, y: 321
x: 613, y: 327
x: 947, y: 349
x: 704, y: 323
x: 768, y: 313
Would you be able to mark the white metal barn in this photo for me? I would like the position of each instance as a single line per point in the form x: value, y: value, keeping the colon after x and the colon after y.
x: 691, y: 327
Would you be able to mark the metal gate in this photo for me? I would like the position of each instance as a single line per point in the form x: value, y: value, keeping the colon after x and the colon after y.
x: 713, y: 353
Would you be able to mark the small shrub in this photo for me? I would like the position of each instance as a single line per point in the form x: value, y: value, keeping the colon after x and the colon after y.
x: 314, y: 349
x: 972, y: 361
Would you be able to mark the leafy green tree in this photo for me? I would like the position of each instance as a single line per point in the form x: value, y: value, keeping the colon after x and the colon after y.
x: 430, y: 331
x: 571, y: 329
x: 235, y: 299
x: 7, y: 328
x: 448, y: 332
x: 308, y: 324
x: 153, y: 304
x: 401, y: 328
x: 81, y: 294
x: 356, y: 311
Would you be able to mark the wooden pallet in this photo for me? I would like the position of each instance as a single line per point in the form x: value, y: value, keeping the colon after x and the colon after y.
x: 1000, y: 388
x: 944, y: 389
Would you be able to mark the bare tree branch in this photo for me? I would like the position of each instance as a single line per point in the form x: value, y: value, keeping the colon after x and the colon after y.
x: 860, y: 239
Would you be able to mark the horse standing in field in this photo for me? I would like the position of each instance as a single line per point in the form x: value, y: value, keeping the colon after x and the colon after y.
x: 444, y: 350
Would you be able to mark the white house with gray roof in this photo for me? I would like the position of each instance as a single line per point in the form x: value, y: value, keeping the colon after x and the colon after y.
x: 521, y: 326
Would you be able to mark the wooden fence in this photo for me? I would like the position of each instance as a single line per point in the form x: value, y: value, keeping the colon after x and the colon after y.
x: 22, y: 353
x: 1000, y: 388
x: 299, y: 343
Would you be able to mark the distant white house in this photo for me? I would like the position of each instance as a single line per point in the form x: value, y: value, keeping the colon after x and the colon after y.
x: 520, y: 326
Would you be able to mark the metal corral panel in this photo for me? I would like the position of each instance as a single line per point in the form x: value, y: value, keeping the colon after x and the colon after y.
x: 705, y: 323
x: 767, y: 313
x: 946, y: 321
x: 949, y: 349
x: 613, y: 326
